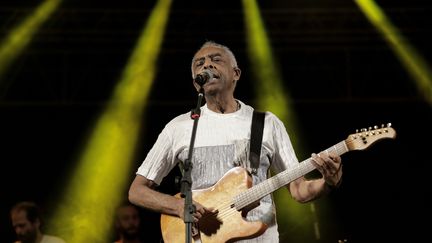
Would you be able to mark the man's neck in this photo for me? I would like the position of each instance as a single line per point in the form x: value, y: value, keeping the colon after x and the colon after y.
x: 37, y: 239
x: 222, y: 105
x: 136, y: 240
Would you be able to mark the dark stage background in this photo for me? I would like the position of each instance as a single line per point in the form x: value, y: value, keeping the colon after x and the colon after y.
x: 341, y: 74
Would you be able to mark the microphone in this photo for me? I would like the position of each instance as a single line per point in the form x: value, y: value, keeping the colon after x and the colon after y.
x: 203, y: 77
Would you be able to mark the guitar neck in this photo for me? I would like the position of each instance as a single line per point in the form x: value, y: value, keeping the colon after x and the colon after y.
x: 270, y: 185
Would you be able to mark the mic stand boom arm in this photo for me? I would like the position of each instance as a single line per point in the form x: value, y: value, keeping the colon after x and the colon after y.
x: 186, y: 181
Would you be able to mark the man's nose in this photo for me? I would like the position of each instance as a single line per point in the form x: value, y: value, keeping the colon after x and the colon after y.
x: 208, y: 64
x: 18, y: 231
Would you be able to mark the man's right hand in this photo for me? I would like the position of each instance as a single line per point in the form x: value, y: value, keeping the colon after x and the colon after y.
x: 200, y: 210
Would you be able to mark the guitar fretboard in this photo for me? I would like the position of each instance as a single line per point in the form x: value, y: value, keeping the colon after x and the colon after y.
x: 270, y: 185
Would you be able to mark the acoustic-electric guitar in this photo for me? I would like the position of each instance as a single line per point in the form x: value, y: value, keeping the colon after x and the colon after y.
x: 234, y: 193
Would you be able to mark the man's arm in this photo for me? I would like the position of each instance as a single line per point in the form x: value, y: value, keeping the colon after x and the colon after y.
x: 329, y: 165
x: 142, y: 194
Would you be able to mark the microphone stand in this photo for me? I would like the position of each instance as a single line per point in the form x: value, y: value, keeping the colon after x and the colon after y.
x: 186, y: 181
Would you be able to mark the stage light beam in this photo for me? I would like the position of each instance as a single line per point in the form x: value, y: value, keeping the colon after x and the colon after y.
x: 14, y: 44
x: 100, y: 180
x: 414, y: 63
x: 271, y: 95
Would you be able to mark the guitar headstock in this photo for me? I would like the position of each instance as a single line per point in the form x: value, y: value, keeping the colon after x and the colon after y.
x: 365, y: 137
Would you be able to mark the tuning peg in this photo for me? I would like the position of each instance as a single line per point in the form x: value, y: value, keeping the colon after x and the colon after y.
x: 373, y: 131
x: 369, y: 131
x: 389, y: 124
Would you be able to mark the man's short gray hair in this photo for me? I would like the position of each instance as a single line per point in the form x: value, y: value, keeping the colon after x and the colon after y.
x: 225, y: 48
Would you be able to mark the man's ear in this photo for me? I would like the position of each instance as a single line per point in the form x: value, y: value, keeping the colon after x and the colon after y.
x: 237, y: 73
x: 38, y: 223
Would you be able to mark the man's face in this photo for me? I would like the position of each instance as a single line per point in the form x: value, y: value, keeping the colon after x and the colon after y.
x: 25, y: 230
x: 128, y: 221
x: 217, y: 61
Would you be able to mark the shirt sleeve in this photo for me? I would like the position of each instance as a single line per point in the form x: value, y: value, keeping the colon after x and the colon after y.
x: 159, y: 160
x: 283, y: 154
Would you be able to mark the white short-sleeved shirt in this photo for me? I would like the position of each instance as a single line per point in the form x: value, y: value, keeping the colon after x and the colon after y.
x: 49, y: 239
x: 221, y: 143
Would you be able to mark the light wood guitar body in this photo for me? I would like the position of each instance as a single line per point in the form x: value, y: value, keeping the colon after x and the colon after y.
x: 228, y: 224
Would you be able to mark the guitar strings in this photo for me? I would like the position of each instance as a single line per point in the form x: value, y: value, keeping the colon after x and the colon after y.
x: 222, y: 213
x: 226, y: 210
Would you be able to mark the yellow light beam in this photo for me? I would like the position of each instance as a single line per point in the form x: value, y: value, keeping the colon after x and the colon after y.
x: 100, y: 180
x: 410, y: 58
x: 20, y: 37
x: 269, y: 88
x: 271, y: 96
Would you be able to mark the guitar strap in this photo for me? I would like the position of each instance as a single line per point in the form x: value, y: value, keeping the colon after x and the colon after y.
x: 257, y: 128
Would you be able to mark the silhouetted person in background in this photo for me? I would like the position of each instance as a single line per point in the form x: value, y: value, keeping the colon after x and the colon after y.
x: 27, y: 220
x: 127, y: 224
